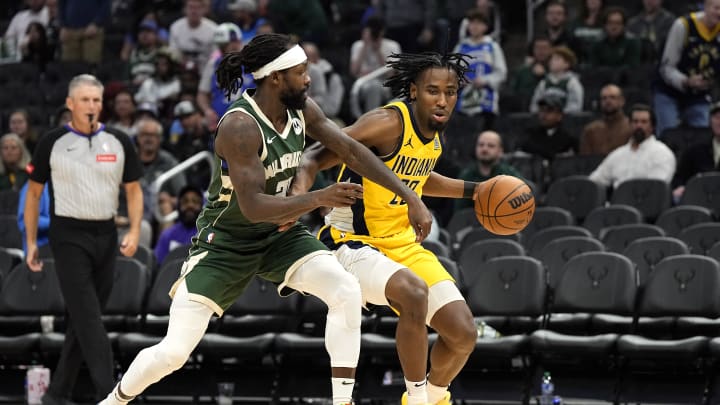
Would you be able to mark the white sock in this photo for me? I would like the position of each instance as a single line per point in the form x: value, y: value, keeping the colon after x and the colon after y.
x: 417, y: 392
x: 342, y: 389
x: 435, y: 393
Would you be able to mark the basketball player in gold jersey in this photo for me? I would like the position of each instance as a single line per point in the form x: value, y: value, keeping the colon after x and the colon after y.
x: 373, y: 238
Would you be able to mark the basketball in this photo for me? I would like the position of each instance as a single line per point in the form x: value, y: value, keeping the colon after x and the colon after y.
x: 504, y: 205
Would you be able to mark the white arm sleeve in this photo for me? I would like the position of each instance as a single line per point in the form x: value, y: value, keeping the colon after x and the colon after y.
x: 671, y: 56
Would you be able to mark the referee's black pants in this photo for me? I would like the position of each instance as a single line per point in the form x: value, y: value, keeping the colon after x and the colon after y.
x: 84, y: 253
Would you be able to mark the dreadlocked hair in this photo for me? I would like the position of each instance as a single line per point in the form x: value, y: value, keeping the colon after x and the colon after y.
x: 408, y: 66
x: 260, y: 51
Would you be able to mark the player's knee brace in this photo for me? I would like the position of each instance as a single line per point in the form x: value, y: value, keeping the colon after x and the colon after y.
x: 172, y: 356
x: 346, y: 302
x: 342, y: 329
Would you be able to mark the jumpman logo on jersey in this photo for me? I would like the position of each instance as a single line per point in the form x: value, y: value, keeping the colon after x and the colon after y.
x: 409, y: 143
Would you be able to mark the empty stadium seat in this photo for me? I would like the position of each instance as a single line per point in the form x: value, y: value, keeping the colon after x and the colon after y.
x: 611, y: 215
x: 701, y: 237
x: 675, y: 219
x: 577, y: 194
x: 583, y: 362
x: 669, y: 370
x: 650, y: 196
x: 545, y: 217
x: 541, y: 238
x: 617, y: 238
x: 647, y: 252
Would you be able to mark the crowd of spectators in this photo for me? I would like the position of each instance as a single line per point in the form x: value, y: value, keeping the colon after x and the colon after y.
x: 567, y: 92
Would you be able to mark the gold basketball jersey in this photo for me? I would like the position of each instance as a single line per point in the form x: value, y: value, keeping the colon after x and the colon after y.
x: 381, y: 213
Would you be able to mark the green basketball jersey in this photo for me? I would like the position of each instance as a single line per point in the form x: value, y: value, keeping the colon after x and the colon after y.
x: 280, y: 155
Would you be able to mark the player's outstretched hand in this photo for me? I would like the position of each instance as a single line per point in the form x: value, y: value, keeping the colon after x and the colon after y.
x: 340, y: 194
x: 420, y: 219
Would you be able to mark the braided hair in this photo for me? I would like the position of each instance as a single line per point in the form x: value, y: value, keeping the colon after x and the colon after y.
x: 409, y: 66
x: 260, y: 51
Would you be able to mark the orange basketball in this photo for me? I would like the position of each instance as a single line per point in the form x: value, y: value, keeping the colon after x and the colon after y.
x: 504, y: 205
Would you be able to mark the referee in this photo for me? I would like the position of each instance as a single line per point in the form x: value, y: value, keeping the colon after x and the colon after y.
x: 85, y: 163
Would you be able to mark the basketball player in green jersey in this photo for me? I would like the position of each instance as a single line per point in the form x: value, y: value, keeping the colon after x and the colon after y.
x: 258, y: 147
x: 374, y: 240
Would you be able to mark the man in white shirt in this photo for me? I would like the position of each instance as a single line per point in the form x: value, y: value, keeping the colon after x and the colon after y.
x: 642, y: 157
x: 192, y: 35
x: 15, y: 33
x: 368, y: 54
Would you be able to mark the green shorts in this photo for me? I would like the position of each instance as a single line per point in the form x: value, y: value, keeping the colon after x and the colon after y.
x: 220, y: 267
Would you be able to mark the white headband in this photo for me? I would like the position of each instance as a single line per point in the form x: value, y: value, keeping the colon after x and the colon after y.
x: 292, y: 57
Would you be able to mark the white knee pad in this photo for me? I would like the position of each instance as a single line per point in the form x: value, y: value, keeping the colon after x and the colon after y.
x: 323, y: 277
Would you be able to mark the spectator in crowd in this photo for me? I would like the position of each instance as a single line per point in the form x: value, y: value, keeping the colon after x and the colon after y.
x: 549, y: 139
x: 409, y: 22
x: 189, y: 203
x: 155, y: 161
x: 123, y: 112
x: 527, y: 77
x: 703, y: 156
x: 15, y: 158
x: 82, y: 33
x: 20, y: 125
x: 616, y: 49
x: 141, y: 55
x: 368, y: 54
x: 83, y: 236
x: 642, y: 157
x: 16, y: 32
x: 587, y: 29
x: 561, y: 82
x: 327, y: 88
x: 556, y: 24
x: 304, y: 19
x: 211, y: 99
x: 146, y: 110
x: 610, y: 131
x: 487, y: 71
x: 652, y: 24
x: 195, y: 138
x: 192, y: 35
x: 35, y: 48
x: 52, y: 28
x: 245, y: 15
x: 189, y: 78
x: 688, y: 69
x: 490, y: 10
x: 488, y: 163
x: 163, y: 87
x: 43, y: 216
x: 61, y: 116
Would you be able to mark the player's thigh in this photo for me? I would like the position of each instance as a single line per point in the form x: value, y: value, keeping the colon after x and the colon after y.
x: 218, y: 277
x: 420, y: 261
x: 372, y: 269
x: 287, y: 252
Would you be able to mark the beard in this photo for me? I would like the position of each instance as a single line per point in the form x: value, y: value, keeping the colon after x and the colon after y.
x: 437, y: 126
x: 638, y: 136
x: 610, y: 111
x: 487, y: 161
x: 188, y: 217
x: 294, y: 100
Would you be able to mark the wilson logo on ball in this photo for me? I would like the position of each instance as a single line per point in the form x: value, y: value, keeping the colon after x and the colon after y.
x: 520, y: 200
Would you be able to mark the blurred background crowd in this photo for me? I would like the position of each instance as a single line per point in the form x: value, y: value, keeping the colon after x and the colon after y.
x: 549, y: 95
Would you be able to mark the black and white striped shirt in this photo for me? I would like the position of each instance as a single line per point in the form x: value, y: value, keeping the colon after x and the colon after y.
x: 85, y: 171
